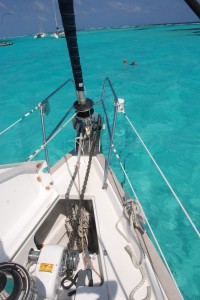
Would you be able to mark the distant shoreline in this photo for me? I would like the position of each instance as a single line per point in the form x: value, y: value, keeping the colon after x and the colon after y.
x: 113, y: 27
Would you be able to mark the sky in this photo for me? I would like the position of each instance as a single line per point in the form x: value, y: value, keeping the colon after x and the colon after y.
x: 25, y: 17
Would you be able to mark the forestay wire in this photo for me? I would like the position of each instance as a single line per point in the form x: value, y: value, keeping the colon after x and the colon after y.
x: 163, y: 176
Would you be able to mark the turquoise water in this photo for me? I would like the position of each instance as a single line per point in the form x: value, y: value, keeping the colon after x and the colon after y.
x: 161, y: 95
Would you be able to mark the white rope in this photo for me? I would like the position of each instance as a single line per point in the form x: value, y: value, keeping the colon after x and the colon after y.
x: 150, y: 228
x: 143, y: 279
x: 142, y: 255
x: 19, y: 120
x: 137, y: 264
x: 42, y: 146
x: 165, y: 179
x: 120, y: 232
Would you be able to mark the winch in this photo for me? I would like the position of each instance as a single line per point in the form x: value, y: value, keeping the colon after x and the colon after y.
x: 52, y: 261
x: 16, y: 283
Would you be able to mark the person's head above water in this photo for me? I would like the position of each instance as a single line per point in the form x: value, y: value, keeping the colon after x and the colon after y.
x: 133, y: 63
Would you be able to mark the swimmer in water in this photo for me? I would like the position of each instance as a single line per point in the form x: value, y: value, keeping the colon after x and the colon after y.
x: 133, y: 63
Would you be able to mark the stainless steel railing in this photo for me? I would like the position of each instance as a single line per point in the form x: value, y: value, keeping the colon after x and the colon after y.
x: 43, y: 107
x: 111, y: 131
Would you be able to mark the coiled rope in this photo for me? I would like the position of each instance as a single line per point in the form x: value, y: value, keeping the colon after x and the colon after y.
x: 138, y: 266
x: 163, y: 176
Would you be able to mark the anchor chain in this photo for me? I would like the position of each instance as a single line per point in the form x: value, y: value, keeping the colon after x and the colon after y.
x: 77, y: 222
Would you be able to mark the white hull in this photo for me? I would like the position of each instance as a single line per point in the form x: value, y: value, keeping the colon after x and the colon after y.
x: 39, y: 35
x: 58, y: 35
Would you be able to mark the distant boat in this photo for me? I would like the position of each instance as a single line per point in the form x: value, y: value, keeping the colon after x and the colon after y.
x: 59, y: 33
x: 40, y: 34
x: 4, y: 43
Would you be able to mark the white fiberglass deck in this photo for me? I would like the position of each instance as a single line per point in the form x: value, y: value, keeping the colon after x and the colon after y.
x: 25, y: 197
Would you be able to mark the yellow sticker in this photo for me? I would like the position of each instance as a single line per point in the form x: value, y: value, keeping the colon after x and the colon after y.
x: 46, y: 267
